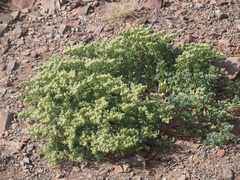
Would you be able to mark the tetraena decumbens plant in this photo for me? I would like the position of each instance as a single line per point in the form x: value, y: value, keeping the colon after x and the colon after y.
x: 117, y: 97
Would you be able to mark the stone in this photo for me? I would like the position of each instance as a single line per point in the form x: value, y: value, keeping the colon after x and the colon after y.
x: 47, y: 30
x: 103, y: 171
x: 59, y: 175
x: 42, y: 50
x: 221, y: 153
x: 6, y: 117
x: 3, y: 48
x: 14, y: 145
x: 11, y: 65
x: 34, y: 54
x: 95, y: 29
x: 118, y: 169
x: 228, y: 174
x: 225, y: 42
x: 14, y: 126
x: 138, y: 178
x: 126, y: 167
x: 232, y: 66
x: 3, y: 91
x: 10, y: 151
x: 182, y: 11
x: 25, y: 10
x: 195, y: 146
x: 50, y: 36
x: 24, y: 131
x: 3, y: 28
x: 82, y: 10
x: 168, y: 22
x: 182, y: 177
x: 64, y: 28
x: 76, y: 169
x: 154, y: 4
x: 108, y: 27
x: 213, y: 2
x: 25, y: 53
x: 24, y: 139
x: 5, y: 18
x: 26, y: 160
x: 136, y: 161
x: 35, y: 157
x: 8, y: 18
x: 17, y: 33
x: 89, y: 176
x: 103, y: 9
x: 34, y: 14
x: 21, y: 4
x: 199, y: 5
x: 48, y: 4
x: 222, y: 2
x: 71, y: 22
x: 222, y: 16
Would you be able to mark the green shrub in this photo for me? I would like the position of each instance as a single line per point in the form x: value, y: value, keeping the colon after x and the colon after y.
x: 117, y: 97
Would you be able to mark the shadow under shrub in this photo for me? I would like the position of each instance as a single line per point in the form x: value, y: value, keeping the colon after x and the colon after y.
x: 115, y: 97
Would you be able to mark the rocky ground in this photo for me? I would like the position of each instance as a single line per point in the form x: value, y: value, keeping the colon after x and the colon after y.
x: 32, y: 31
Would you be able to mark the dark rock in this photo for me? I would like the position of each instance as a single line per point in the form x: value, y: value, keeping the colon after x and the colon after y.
x: 6, y: 118
x: 222, y: 2
x: 222, y: 16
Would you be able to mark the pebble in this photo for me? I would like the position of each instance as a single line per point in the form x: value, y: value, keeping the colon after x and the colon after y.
x: 221, y: 153
x: 26, y: 160
x: 3, y: 91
